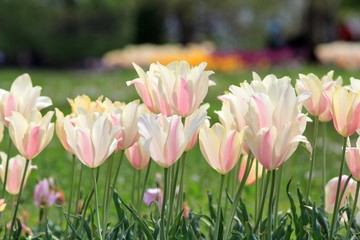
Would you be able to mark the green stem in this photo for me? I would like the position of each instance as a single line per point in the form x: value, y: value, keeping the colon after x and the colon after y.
x: 144, y: 186
x: 181, y: 184
x: 238, y: 196
x: 72, y: 182
x: 6, y: 169
x: 79, y: 189
x: 173, y: 189
x: 277, y: 192
x: 228, y: 176
x: 353, y: 210
x: 133, y: 186
x: 19, y: 198
x: 218, y: 214
x: 316, y: 129
x: 117, y: 171
x: 270, y: 208
x: 256, y: 186
x: 262, y: 201
x: 97, y: 204
x: 162, y: 229
x: 106, y: 196
x: 324, y: 160
x: 337, y: 202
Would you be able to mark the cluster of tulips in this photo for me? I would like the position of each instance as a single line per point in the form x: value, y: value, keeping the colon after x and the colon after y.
x: 261, y: 123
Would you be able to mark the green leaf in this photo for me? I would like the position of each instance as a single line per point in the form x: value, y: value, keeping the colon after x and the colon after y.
x: 293, y: 209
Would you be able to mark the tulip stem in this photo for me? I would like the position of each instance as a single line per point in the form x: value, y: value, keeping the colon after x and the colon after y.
x: 256, y: 186
x: 353, y: 210
x: 262, y: 201
x: 72, y: 182
x: 97, y: 204
x: 270, y: 208
x: 117, y: 171
x: 277, y: 193
x: 324, y: 160
x: 238, y: 196
x: 312, y: 163
x: 144, y: 187
x: 6, y: 168
x: 337, y: 202
x: 162, y: 229
x: 218, y: 214
x: 106, y: 196
x: 181, y: 184
x: 19, y: 198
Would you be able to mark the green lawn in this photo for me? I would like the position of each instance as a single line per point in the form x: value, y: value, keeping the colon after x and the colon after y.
x: 199, y: 177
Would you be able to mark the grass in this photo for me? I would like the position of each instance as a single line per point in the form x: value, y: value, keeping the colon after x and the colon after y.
x: 199, y: 177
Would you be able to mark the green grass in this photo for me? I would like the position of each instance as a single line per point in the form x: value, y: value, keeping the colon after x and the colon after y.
x: 199, y: 177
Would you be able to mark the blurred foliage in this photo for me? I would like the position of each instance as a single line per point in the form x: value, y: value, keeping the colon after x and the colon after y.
x: 68, y: 31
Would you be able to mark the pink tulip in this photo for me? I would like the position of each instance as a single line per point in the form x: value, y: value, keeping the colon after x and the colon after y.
x: 352, y: 156
x: 275, y: 123
x: 60, y: 130
x: 165, y: 138
x: 330, y: 192
x: 126, y: 117
x: 16, y: 167
x: 137, y: 156
x: 91, y: 137
x: 345, y: 111
x: 220, y: 147
x: 32, y: 134
x: 253, y: 175
x: 173, y: 89
x: 188, y: 122
x: 22, y: 97
x: 317, y: 104
x: 153, y: 195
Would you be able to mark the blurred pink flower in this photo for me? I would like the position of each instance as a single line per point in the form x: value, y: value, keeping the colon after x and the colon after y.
x: 45, y: 195
x: 137, y: 156
x: 16, y: 168
x: 220, y: 147
x: 353, y: 160
x: 153, y: 195
x: 22, y: 98
x: 253, y: 176
x: 31, y: 134
x: 330, y: 192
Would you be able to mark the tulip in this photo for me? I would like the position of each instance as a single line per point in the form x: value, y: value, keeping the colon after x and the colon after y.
x: 84, y: 102
x: 253, y: 175
x: 352, y: 156
x: 274, y: 132
x: 173, y: 89
x: 221, y: 148
x: 2, y: 204
x: 330, y: 192
x: 44, y: 195
x: 188, y: 121
x: 126, y: 117
x: 153, y: 195
x: 22, y: 97
x: 16, y: 167
x: 165, y: 138
x: 317, y: 104
x: 60, y: 130
x: 345, y: 111
x: 137, y: 156
x: 91, y: 137
x: 32, y: 134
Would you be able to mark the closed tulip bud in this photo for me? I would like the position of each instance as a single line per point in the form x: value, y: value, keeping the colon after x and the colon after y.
x: 16, y: 167
x: 352, y: 156
x: 137, y: 156
x: 220, y: 147
x: 253, y: 175
x: 330, y: 192
x: 60, y: 130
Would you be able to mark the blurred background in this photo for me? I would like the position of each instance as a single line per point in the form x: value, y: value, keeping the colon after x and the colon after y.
x: 229, y: 34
